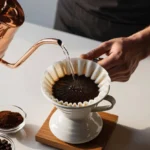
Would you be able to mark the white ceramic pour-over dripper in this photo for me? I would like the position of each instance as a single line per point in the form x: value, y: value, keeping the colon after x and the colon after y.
x: 78, y: 122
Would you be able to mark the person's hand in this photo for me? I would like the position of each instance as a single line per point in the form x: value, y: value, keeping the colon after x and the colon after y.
x: 123, y: 56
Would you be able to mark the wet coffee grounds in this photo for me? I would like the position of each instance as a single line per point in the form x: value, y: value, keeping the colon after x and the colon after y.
x: 79, y: 90
x: 5, y: 145
x: 10, y: 119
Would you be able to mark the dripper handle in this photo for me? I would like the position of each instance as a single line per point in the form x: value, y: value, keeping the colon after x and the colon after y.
x: 30, y: 52
x: 108, y: 98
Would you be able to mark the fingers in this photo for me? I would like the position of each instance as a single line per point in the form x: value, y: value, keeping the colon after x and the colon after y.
x: 102, y: 49
x: 109, y: 62
x: 120, y: 79
x: 119, y: 73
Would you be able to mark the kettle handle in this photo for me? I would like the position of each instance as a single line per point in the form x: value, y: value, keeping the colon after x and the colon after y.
x: 30, y: 52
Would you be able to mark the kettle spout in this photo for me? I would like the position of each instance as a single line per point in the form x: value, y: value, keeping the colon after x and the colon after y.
x: 31, y: 51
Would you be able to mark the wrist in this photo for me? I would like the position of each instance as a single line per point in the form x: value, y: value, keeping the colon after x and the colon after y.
x: 142, y: 41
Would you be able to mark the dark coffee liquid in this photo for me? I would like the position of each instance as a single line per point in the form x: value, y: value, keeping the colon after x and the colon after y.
x: 79, y: 90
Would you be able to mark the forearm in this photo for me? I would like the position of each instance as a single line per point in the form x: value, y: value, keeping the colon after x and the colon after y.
x: 143, y: 37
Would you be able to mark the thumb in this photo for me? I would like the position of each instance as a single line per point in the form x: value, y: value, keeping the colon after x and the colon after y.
x: 97, y: 52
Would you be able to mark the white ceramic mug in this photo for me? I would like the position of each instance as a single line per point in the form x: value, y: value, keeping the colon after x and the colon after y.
x: 77, y: 123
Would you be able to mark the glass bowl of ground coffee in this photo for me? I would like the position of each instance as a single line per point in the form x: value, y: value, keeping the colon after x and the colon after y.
x: 6, y: 142
x: 12, y: 118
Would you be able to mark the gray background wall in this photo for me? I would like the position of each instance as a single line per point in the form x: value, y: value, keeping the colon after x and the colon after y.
x: 41, y: 12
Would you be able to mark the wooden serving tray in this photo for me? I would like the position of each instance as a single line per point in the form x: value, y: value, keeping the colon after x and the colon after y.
x: 45, y: 136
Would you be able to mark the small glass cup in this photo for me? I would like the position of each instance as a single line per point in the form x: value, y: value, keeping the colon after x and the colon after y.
x: 13, y: 108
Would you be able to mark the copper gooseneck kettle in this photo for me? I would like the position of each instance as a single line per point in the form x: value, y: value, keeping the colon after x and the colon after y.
x: 11, y: 18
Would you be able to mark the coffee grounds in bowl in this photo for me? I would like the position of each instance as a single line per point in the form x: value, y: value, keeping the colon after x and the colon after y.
x: 10, y: 119
x: 73, y: 91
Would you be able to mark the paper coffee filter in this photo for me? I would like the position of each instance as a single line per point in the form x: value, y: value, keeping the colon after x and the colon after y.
x: 81, y: 67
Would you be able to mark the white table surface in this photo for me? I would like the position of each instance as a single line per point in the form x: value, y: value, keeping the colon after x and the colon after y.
x: 22, y: 87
